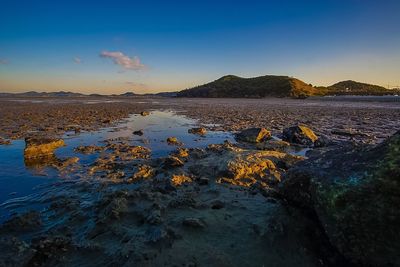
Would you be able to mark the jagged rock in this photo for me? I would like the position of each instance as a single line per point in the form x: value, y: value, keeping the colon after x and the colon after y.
x: 40, y: 147
x: 178, y: 180
x: 199, y: 131
x: 144, y: 113
x: 354, y: 193
x: 253, y: 135
x: 299, y: 134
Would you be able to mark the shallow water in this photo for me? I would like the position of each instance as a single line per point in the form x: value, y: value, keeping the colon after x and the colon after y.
x: 18, y: 180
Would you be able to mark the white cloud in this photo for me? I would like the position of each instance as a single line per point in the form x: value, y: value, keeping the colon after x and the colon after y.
x: 3, y: 61
x: 77, y: 60
x: 124, y: 61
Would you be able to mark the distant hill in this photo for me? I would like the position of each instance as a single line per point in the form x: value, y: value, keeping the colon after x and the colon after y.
x: 45, y: 94
x: 258, y: 87
x: 356, y: 88
x: 128, y: 94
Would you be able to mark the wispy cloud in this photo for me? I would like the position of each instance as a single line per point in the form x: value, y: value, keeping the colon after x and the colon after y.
x: 135, y: 84
x: 77, y: 60
x: 129, y: 63
x: 3, y: 61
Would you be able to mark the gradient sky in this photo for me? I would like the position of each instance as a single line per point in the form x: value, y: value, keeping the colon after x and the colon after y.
x: 149, y: 46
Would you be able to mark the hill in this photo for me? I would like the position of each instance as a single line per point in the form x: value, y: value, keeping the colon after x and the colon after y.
x: 257, y: 87
x: 356, y: 88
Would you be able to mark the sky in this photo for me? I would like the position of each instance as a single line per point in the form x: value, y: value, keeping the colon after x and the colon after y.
x: 153, y: 46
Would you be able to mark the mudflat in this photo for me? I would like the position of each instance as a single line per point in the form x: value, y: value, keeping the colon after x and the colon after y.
x: 198, y: 182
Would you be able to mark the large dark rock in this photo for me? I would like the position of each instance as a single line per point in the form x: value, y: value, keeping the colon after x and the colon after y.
x: 253, y: 135
x: 299, y: 134
x: 355, y: 195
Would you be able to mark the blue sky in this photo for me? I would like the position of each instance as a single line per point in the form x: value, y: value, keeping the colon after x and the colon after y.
x: 150, y: 46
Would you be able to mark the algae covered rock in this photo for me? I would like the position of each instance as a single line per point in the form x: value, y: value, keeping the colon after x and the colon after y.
x: 253, y: 135
x: 41, y: 147
x: 355, y: 195
x: 299, y: 134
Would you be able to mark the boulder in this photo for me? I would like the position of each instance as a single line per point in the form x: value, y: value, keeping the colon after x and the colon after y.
x: 144, y: 113
x: 41, y: 147
x: 354, y: 193
x: 199, y: 131
x: 253, y: 135
x: 299, y: 134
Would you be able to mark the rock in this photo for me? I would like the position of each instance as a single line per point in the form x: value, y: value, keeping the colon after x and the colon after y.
x: 354, y: 194
x: 253, y: 135
x: 199, y: 131
x: 178, y: 180
x: 173, y: 162
x: 144, y: 172
x: 275, y: 145
x: 138, y: 132
x: 144, y: 113
x: 89, y: 149
x: 299, y: 134
x: 193, y: 222
x: 173, y: 141
x: 181, y: 153
x: 40, y: 147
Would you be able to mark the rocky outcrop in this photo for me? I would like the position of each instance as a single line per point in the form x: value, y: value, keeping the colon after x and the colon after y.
x: 253, y: 135
x: 355, y: 194
x: 299, y: 134
x: 41, y: 147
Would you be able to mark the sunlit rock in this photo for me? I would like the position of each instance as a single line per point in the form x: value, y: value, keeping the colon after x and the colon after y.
x: 299, y: 134
x: 178, y: 180
x: 253, y: 135
x: 41, y: 147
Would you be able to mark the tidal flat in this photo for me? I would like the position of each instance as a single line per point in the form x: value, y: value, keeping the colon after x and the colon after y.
x: 144, y: 181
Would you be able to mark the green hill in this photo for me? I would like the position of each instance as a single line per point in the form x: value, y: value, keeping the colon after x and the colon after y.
x: 258, y: 87
x: 357, y: 88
